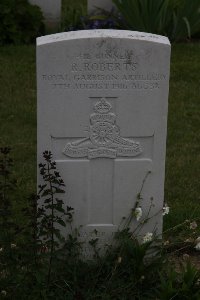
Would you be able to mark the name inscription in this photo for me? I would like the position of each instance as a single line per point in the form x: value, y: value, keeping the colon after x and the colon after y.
x: 105, y: 70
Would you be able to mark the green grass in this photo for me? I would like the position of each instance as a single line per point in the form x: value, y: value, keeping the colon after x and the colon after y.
x: 18, y: 125
x: 183, y: 144
x: 18, y: 114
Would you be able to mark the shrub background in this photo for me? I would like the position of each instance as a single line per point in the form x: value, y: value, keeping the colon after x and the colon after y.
x: 20, y: 22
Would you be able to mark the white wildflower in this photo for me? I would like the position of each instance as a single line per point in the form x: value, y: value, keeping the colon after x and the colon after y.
x: 4, y: 293
x: 166, y: 243
x: 147, y: 237
x: 138, y: 213
x: 193, y: 225
x: 197, y: 247
x: 198, y: 282
x: 1, y: 249
x: 187, y: 241
x: 13, y: 246
x: 119, y: 260
x: 165, y: 210
x: 142, y: 277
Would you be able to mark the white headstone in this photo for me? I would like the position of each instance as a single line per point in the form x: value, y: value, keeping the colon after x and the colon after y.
x: 51, y: 10
x: 102, y: 111
x: 103, y: 4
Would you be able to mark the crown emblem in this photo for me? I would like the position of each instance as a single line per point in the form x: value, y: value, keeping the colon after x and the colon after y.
x: 102, y: 106
x: 104, y: 139
x: 102, y: 112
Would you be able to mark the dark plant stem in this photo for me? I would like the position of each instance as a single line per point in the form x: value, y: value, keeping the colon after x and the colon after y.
x: 52, y: 227
x: 4, y: 189
x: 139, y: 198
x: 6, y: 186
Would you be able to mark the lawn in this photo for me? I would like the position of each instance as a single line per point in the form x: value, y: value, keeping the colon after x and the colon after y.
x: 182, y: 184
x: 18, y: 126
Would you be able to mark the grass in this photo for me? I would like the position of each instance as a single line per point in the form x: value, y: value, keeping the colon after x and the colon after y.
x: 183, y: 144
x: 18, y: 126
x: 18, y: 114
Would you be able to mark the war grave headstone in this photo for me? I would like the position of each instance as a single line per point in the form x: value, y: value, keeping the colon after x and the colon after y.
x: 103, y: 4
x: 51, y: 10
x: 102, y: 111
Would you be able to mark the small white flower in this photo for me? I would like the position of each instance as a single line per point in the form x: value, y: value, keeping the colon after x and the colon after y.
x: 193, y: 225
x: 138, y: 213
x: 119, y: 260
x: 187, y: 241
x: 147, y: 237
x: 13, y: 246
x: 197, y: 247
x: 165, y: 210
x: 142, y: 277
x: 166, y: 243
x: 198, y: 282
x: 4, y: 293
x: 1, y: 249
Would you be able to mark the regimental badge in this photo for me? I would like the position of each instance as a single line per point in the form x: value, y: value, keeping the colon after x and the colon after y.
x: 104, y: 137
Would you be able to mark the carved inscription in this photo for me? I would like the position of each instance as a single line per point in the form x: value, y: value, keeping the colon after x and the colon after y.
x: 108, y: 66
x: 106, y: 69
x: 104, y: 137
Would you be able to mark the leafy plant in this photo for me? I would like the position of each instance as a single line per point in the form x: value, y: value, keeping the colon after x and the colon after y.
x: 182, y: 284
x: 51, y: 211
x: 38, y: 262
x: 32, y: 256
x: 72, y: 18
x: 76, y: 19
x: 6, y: 186
x: 20, y: 22
x: 186, y: 20
x: 174, y: 18
x: 8, y: 228
x: 146, y: 15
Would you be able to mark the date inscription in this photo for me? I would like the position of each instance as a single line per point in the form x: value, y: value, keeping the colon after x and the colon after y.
x: 103, y: 71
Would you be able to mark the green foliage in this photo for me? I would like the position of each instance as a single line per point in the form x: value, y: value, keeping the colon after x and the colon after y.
x: 147, y: 15
x: 72, y: 17
x: 20, y: 22
x: 180, y: 285
x: 37, y: 262
x: 50, y: 211
x: 136, y: 269
x: 176, y: 19
x: 186, y: 20
x: 7, y: 186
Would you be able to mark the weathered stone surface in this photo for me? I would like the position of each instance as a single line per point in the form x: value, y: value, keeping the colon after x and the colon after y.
x: 51, y: 10
x: 102, y: 111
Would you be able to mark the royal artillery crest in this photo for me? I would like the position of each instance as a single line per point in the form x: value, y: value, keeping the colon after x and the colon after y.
x: 104, y: 137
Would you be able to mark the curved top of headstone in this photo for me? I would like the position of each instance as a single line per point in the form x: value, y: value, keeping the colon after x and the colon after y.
x: 102, y: 33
